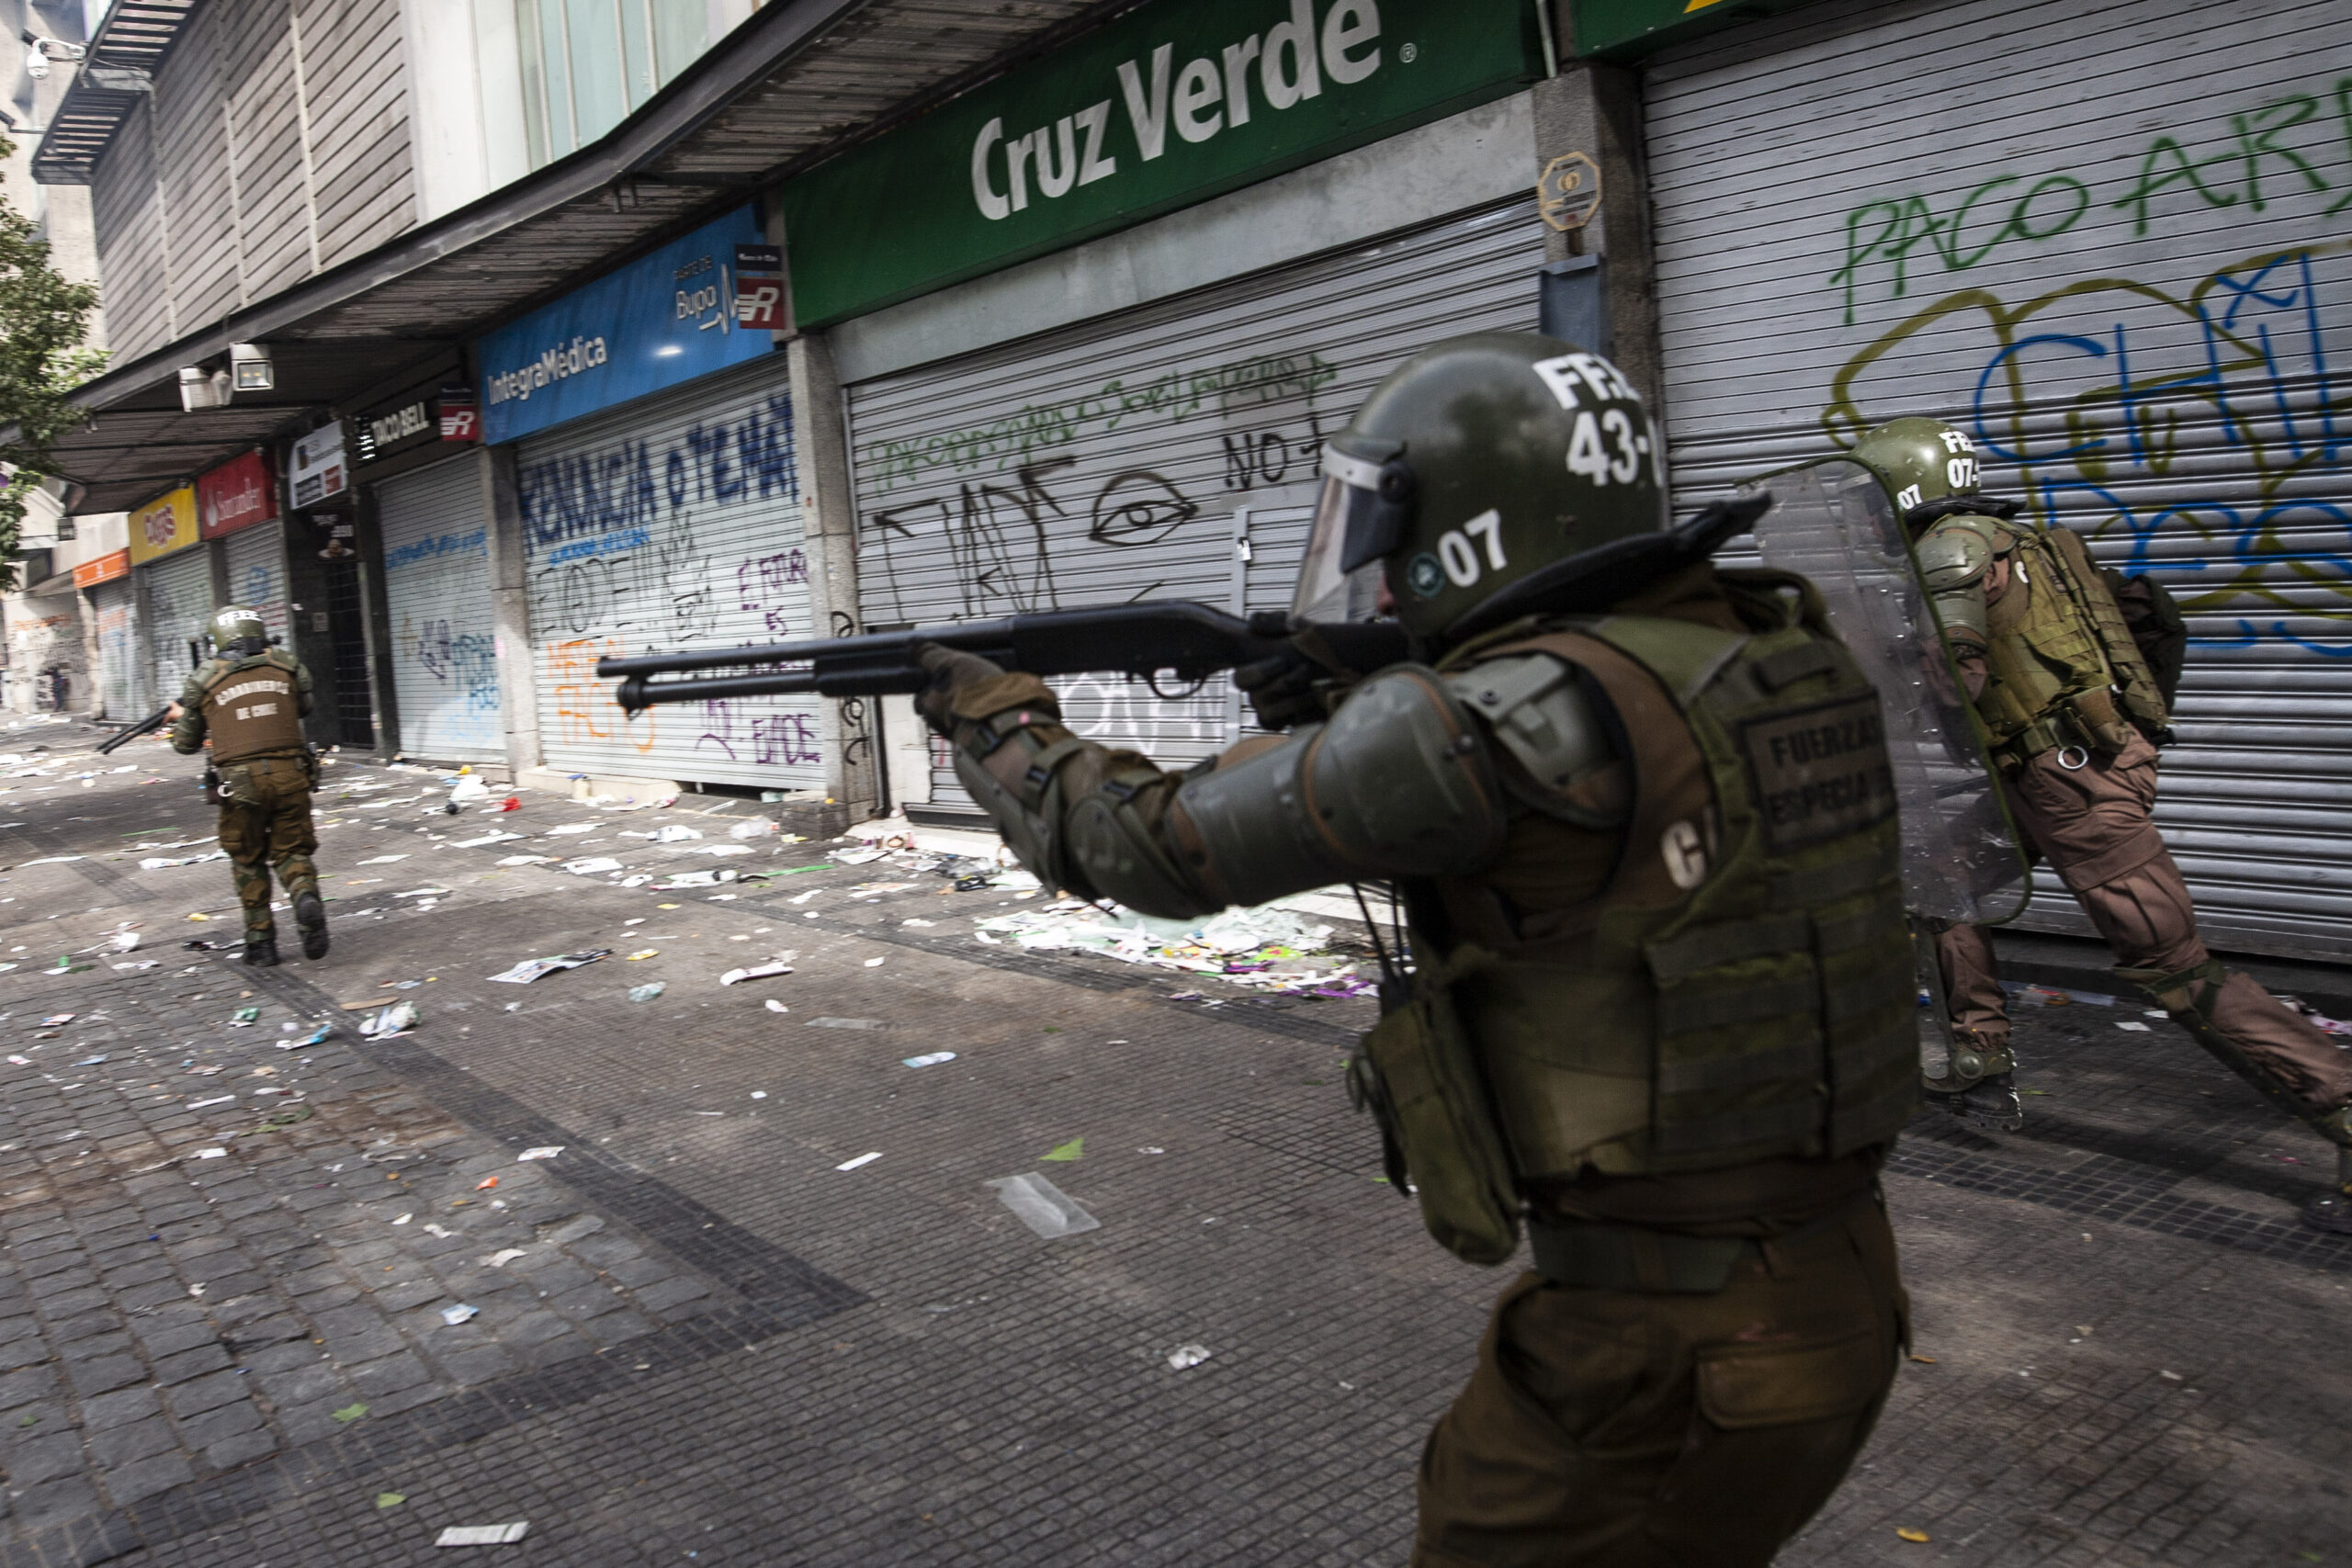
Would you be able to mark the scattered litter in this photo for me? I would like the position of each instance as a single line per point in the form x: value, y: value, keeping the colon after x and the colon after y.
x: 2133, y: 1026
x: 363, y: 1007
x: 501, y: 1257
x: 685, y: 879
x: 570, y: 828
x: 873, y: 964
x: 859, y: 856
x: 58, y: 1019
x: 1042, y: 1206
x: 245, y: 1015
x: 323, y: 1031
x: 482, y: 1535
x: 453, y: 1315
x: 931, y: 1060
x: 483, y: 1186
x: 1264, y: 949
x: 844, y: 1022
x: 2169, y: 1377
x: 525, y: 860
x: 1917, y: 1536
x: 861, y: 1159
x: 403, y: 1219
x: 594, y: 865
x: 135, y: 965
x: 530, y: 969
x: 382, y: 859
x: 390, y: 1499
x: 776, y: 1006
x: 644, y: 952
x: 756, y: 972
x: 396, y: 1018
x: 496, y: 836
x: 1074, y: 1149
x: 216, y: 1100
x: 159, y: 863
x: 757, y: 828
x: 52, y: 860
x: 917, y: 924
x: 759, y: 1094
x: 422, y: 893
x: 545, y: 1151
x: 89, y: 1061
x: 443, y: 1232
x: 1185, y: 1355
x: 646, y: 993
x: 1150, y: 1149
x: 350, y: 1412
x: 211, y: 1153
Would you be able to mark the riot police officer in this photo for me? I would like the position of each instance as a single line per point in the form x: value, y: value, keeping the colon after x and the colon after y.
x: 1639, y: 812
x: 2072, y: 713
x: 249, y: 700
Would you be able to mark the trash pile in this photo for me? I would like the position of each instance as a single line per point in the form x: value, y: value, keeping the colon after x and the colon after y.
x: 1266, y: 949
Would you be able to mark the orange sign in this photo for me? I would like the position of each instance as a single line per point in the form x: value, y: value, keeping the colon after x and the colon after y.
x: 106, y: 569
x: 163, y: 525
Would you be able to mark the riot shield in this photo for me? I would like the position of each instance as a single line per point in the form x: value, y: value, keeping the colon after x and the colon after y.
x: 1833, y: 523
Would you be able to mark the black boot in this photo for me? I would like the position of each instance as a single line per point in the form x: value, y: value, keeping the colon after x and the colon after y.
x: 311, y: 914
x: 262, y: 950
x: 1990, y: 1104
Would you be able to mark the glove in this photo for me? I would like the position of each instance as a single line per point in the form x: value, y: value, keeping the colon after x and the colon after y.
x: 949, y: 668
x: 1317, y: 666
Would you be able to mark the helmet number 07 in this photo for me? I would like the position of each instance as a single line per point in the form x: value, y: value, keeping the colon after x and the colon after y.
x: 1461, y: 558
x: 1961, y: 473
x: 1589, y: 457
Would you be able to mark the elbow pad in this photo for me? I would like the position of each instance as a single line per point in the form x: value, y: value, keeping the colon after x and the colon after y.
x: 1398, y: 783
x: 1954, y: 557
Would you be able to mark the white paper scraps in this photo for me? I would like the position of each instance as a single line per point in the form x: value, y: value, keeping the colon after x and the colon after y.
x: 861, y: 1159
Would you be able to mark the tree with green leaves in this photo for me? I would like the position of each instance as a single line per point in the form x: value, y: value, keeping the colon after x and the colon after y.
x: 42, y: 320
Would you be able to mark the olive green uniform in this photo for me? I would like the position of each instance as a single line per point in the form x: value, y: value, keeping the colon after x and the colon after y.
x: 2068, y: 717
x: 251, y: 709
x: 1649, y: 863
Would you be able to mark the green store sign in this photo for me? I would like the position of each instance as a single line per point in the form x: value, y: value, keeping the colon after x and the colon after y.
x: 1167, y: 106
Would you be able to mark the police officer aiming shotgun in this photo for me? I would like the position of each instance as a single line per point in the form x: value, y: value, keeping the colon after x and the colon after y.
x: 1640, y: 815
x: 248, y: 700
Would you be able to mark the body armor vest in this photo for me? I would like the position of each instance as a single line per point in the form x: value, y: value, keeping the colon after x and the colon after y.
x: 1743, y: 986
x: 2061, y: 666
x: 253, y: 709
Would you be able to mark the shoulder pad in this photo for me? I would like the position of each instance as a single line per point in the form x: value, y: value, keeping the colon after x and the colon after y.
x: 1538, y: 715
x: 1959, y: 551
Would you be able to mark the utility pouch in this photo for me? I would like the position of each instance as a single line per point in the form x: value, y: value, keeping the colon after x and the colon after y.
x: 234, y: 785
x: 1417, y: 1073
x: 2144, y: 699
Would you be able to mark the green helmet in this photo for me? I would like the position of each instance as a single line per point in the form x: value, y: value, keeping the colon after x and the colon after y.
x: 236, y: 624
x: 1477, y: 462
x: 1922, y: 460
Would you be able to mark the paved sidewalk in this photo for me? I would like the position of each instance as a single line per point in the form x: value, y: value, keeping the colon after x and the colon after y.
x: 699, y: 1341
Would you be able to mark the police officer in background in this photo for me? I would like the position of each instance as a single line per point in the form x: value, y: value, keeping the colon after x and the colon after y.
x: 1640, y: 816
x: 249, y: 700
x: 2072, y: 712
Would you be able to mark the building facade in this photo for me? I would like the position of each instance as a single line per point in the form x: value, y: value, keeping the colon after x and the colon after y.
x: 1070, y: 300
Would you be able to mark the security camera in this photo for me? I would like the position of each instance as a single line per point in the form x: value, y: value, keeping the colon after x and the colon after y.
x: 40, y: 51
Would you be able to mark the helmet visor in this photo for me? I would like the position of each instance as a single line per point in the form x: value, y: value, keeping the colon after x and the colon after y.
x: 1355, y: 526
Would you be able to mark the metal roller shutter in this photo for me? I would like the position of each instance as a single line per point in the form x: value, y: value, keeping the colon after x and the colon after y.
x: 2106, y: 237
x: 257, y: 562
x: 1129, y: 457
x: 673, y: 523
x: 120, y: 683
x: 436, y: 589
x: 179, y: 606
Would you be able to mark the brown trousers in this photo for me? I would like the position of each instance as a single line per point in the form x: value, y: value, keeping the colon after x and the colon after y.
x: 266, y: 825
x: 1612, y: 1429
x: 2093, y: 825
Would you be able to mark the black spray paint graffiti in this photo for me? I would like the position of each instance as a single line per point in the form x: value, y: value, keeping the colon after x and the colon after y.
x: 998, y: 536
x: 586, y: 496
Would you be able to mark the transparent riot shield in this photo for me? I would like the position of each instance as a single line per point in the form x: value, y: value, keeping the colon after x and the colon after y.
x: 1833, y: 523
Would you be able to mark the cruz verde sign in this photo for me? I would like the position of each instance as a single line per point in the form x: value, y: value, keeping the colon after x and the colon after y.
x: 1169, y: 104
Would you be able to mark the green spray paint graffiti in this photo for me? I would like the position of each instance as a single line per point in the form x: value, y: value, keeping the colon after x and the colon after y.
x: 1009, y: 443
x: 2271, y: 153
x: 2209, y: 415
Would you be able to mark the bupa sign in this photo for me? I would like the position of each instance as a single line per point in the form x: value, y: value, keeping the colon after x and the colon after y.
x: 664, y: 319
x: 1171, y: 104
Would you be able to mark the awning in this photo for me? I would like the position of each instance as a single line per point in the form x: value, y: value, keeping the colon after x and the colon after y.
x: 799, y: 80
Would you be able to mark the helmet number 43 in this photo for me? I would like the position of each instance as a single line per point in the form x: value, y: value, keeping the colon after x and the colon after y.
x: 1616, y: 461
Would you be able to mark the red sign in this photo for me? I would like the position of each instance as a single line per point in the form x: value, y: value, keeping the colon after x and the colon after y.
x: 758, y: 287
x: 106, y: 569
x: 461, y: 415
x: 238, y: 494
